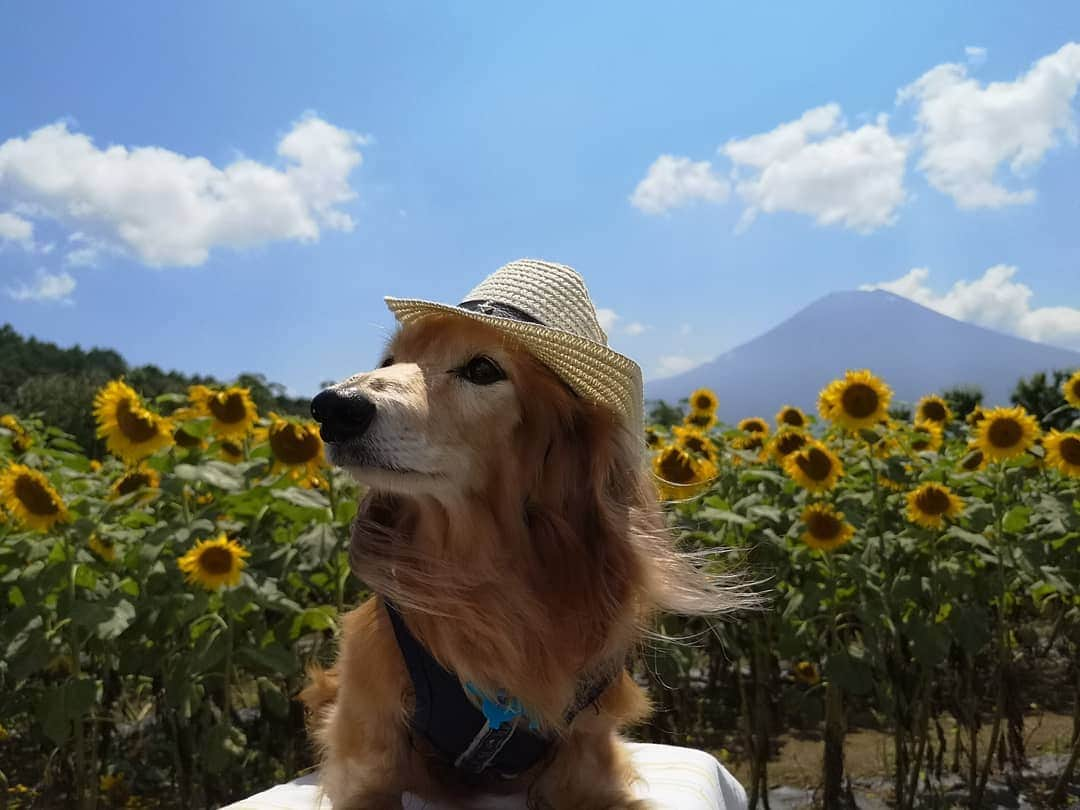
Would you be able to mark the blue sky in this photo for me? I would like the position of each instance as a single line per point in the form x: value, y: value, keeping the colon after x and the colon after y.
x: 227, y: 187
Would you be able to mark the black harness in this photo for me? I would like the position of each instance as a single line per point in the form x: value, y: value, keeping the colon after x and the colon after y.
x: 475, y: 741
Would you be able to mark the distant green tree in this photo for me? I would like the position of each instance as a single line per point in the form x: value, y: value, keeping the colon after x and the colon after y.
x: 962, y: 399
x: 667, y: 415
x: 1043, y: 398
x: 59, y: 384
x: 900, y: 411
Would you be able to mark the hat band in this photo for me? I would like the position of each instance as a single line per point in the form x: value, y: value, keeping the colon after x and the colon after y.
x: 499, y: 310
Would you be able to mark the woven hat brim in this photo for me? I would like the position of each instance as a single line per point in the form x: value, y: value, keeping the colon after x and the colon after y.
x: 595, y: 372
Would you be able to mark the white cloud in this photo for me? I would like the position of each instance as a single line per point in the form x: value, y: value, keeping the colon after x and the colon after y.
x: 976, y: 54
x: 14, y: 228
x: 994, y: 300
x: 607, y: 318
x: 673, y: 182
x: 815, y: 165
x: 172, y: 209
x: 634, y: 328
x: 671, y: 364
x: 45, y: 287
x: 968, y: 131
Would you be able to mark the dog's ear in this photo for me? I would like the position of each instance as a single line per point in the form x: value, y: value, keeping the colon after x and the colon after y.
x: 579, y: 517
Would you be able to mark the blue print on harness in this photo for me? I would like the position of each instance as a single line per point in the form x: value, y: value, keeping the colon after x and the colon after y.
x: 499, y: 710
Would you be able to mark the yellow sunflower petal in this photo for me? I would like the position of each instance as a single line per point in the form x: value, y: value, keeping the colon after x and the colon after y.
x: 214, y: 563
x: 859, y: 400
x: 1063, y: 452
x: 814, y: 467
x: 825, y: 528
x: 1005, y: 433
x: 28, y: 496
x: 931, y: 504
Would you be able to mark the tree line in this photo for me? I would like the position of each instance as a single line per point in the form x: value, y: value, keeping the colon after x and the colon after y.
x: 39, y: 378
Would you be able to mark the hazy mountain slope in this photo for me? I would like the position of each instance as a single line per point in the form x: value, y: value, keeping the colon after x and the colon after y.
x: 915, y: 349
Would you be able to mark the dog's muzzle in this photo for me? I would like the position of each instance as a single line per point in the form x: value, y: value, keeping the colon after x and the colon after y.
x: 342, y: 415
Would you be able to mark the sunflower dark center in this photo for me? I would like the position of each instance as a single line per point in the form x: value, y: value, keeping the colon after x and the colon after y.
x: 676, y: 467
x: 228, y: 407
x: 922, y: 439
x: 754, y: 426
x: 1070, y: 449
x: 789, y: 443
x: 1075, y: 388
x: 700, y: 419
x: 792, y: 417
x: 133, y: 482
x: 294, y: 444
x: 973, y: 460
x: 185, y: 439
x: 815, y: 464
x: 859, y: 400
x: 138, y: 427
x: 652, y: 438
x: 703, y: 403
x: 823, y: 526
x: 216, y: 560
x: 695, y: 443
x: 934, y: 411
x: 1005, y: 432
x: 933, y: 501
x: 35, y: 497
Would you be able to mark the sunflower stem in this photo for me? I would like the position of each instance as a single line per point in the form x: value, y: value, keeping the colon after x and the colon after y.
x: 74, y: 643
x: 1002, y: 640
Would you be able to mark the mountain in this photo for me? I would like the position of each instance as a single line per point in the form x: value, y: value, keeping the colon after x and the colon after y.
x: 914, y: 349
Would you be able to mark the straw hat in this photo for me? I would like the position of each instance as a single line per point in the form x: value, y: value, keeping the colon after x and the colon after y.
x: 547, y: 308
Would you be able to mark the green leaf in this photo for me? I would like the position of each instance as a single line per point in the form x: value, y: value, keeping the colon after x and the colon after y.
x: 216, y: 473
x: 1016, y: 519
x: 120, y: 617
x: 308, y: 498
x: 272, y: 658
x: 65, y: 704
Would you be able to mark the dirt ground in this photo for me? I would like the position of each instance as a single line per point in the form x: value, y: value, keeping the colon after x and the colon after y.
x: 868, y: 753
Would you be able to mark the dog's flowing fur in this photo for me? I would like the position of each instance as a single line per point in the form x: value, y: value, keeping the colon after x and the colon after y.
x: 517, y: 530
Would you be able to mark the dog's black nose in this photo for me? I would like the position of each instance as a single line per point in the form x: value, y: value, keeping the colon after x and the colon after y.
x: 342, y: 416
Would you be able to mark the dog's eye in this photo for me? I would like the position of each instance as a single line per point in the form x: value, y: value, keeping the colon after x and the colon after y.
x: 482, y: 371
x: 389, y: 361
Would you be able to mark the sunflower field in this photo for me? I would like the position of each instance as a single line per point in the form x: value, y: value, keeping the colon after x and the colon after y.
x: 158, y: 606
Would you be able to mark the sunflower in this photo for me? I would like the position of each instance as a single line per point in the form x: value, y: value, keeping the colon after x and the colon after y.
x: 1071, y: 390
x: 28, y: 496
x: 931, y: 503
x: 95, y: 465
x: 806, y: 672
x: 1063, y: 452
x: 790, y: 415
x: 103, y: 547
x: 295, y: 446
x: 20, y: 438
x: 695, y: 441
x: 976, y: 416
x: 231, y: 451
x: 231, y: 411
x: 134, y: 480
x: 754, y: 425
x: 702, y: 420
x: 786, y: 441
x: 681, y: 474
x: 974, y: 461
x: 933, y: 408
x: 703, y: 400
x: 213, y: 563
x: 652, y: 438
x: 826, y: 529
x: 926, y: 437
x: 859, y: 400
x: 1006, y: 433
x: 130, y: 430
x: 814, y: 467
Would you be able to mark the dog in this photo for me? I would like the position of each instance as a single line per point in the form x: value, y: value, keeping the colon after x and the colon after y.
x: 513, y: 541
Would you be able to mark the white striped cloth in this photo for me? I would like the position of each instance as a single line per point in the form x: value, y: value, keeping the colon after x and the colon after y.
x: 670, y: 778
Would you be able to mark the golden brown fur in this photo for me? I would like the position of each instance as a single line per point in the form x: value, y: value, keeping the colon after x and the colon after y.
x: 527, y: 551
